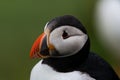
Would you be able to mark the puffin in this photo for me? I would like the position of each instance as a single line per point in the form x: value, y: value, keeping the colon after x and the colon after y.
x: 64, y: 52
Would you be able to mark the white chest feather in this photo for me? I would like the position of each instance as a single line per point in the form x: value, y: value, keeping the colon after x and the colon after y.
x: 44, y: 72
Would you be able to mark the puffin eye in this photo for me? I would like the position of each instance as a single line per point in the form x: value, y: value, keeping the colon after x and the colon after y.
x: 65, y: 35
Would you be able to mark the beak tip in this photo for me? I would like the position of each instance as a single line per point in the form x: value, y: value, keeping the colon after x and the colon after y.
x: 34, y: 55
x: 31, y: 55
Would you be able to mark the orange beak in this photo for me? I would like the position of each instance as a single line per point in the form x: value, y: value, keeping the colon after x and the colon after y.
x: 35, y: 50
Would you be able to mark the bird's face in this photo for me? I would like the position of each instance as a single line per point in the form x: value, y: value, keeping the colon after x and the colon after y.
x: 61, y: 41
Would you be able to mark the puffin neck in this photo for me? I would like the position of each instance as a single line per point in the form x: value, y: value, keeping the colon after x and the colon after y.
x: 68, y: 64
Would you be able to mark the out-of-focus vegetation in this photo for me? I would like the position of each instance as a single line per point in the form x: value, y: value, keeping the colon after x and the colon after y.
x: 21, y: 22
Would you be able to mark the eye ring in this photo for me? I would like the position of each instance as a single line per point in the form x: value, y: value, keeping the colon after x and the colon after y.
x: 65, y: 35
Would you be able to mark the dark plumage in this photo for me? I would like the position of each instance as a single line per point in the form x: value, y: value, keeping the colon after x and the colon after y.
x: 65, y: 20
x: 94, y: 65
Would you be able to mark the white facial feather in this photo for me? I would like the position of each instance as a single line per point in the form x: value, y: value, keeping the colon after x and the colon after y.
x: 46, y: 26
x: 71, y: 45
x: 45, y: 72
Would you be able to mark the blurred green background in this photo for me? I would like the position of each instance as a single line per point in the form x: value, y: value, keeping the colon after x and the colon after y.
x: 21, y: 22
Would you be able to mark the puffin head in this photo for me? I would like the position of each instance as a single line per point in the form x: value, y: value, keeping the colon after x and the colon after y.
x: 62, y: 37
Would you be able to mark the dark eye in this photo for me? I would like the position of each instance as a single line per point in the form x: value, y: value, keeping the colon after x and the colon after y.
x: 65, y: 35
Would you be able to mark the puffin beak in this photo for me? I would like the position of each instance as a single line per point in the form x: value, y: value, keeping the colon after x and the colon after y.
x: 39, y: 48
